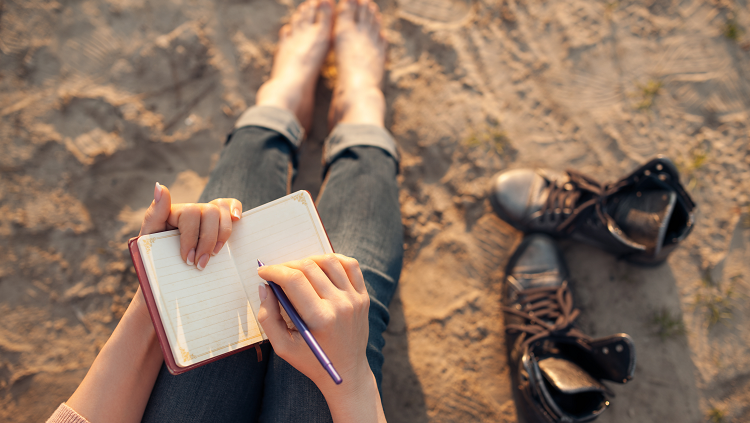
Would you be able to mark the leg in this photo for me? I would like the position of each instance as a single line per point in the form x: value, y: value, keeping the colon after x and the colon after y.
x: 360, y: 209
x: 361, y: 212
x: 359, y: 203
x: 255, y: 167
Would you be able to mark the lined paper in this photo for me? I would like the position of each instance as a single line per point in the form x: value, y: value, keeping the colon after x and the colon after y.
x: 210, y: 312
x: 283, y: 230
x: 204, y: 313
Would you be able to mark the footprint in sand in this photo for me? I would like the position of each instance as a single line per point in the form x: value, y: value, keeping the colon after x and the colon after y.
x: 437, y: 11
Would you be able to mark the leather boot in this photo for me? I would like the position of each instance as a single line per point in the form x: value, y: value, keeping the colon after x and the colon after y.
x: 641, y: 217
x: 557, y: 369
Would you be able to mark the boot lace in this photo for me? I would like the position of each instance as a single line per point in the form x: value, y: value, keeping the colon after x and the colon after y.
x: 547, y: 311
x: 563, y: 197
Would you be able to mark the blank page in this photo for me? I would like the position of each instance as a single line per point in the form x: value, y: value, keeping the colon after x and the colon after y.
x: 285, y: 229
x: 205, y: 313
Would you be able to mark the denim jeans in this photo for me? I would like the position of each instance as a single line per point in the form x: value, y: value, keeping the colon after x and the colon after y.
x: 359, y: 207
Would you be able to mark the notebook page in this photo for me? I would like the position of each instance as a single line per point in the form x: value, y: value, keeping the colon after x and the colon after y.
x: 204, y: 313
x: 285, y: 229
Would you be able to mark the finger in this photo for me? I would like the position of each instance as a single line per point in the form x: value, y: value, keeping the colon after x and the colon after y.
x: 334, y: 270
x: 236, y: 209
x: 320, y: 282
x: 354, y: 272
x: 269, y: 317
x: 189, y: 223
x: 296, y: 287
x: 225, y: 227
x: 209, y: 232
x: 157, y: 213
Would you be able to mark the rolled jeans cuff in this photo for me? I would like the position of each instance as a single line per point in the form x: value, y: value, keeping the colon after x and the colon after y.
x: 276, y: 119
x: 347, y: 135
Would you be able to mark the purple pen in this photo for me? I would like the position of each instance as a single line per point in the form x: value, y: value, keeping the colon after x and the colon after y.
x: 303, y: 330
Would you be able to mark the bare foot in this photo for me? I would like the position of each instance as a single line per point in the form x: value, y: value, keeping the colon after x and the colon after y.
x: 303, y: 45
x: 359, y: 47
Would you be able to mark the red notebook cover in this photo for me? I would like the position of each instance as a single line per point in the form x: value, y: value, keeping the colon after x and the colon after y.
x: 166, y: 350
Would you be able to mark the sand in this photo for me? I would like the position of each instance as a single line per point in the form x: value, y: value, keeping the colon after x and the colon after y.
x: 101, y: 99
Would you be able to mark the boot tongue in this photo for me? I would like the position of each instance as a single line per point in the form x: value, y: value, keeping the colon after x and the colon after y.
x: 644, y: 216
x: 568, y: 377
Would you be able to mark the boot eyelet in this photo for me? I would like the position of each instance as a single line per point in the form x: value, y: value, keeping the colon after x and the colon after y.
x: 662, y: 176
x: 659, y: 167
x: 605, y: 350
x: 567, y: 211
x: 558, y: 210
x: 647, y: 172
x: 618, y: 348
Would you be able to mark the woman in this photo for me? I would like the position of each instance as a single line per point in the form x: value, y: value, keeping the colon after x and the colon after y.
x: 346, y: 295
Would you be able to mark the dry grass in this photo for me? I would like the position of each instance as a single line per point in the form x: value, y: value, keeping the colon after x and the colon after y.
x: 647, y: 93
x: 732, y: 30
x: 695, y: 162
x: 491, y: 136
x: 715, y: 301
x: 715, y: 415
x: 667, y: 325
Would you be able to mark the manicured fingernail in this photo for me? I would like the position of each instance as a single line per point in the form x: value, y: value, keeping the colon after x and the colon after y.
x: 262, y: 291
x: 157, y: 192
x: 217, y: 248
x: 191, y: 257
x: 236, y: 213
x: 202, y: 262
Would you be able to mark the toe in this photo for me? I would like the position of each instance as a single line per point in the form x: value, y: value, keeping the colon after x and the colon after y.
x: 347, y: 9
x: 379, y: 21
x: 376, y: 16
x: 539, y: 255
x: 362, y: 11
x: 308, y: 16
x: 372, y: 18
x: 284, y: 31
x: 299, y: 14
x: 324, y: 13
x: 512, y: 192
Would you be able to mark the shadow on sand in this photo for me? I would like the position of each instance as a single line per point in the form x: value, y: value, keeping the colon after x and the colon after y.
x: 615, y: 296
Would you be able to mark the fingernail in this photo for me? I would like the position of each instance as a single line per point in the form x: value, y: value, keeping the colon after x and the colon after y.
x: 191, y: 257
x: 236, y: 213
x: 262, y: 292
x: 157, y: 192
x: 217, y: 248
x: 203, y: 262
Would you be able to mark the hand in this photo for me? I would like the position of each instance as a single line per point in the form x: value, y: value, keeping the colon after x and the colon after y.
x: 204, y: 227
x: 329, y: 293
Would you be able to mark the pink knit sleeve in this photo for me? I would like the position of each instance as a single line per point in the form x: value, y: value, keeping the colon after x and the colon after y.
x: 65, y: 414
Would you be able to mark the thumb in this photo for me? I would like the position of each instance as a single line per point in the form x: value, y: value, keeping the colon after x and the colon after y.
x: 269, y: 317
x: 157, y: 214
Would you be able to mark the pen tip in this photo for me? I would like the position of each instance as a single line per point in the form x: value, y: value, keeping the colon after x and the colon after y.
x: 260, y: 263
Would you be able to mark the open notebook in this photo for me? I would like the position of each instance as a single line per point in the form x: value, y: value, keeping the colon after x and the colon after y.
x: 201, y: 316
